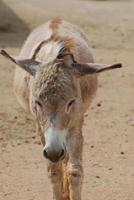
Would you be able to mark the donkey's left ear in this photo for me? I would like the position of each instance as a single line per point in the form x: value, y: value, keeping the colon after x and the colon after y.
x: 92, y: 68
x: 29, y: 65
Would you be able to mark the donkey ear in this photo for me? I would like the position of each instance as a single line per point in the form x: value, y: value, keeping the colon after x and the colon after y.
x: 92, y: 68
x: 29, y: 65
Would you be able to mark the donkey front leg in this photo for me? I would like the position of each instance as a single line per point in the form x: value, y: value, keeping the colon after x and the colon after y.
x: 55, y: 175
x: 75, y: 171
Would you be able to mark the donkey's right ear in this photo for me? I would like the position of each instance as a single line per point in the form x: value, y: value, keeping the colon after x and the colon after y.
x: 29, y: 65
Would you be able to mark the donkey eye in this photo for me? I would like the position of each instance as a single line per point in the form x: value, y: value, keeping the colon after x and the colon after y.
x: 38, y: 103
x: 69, y: 105
x: 71, y: 102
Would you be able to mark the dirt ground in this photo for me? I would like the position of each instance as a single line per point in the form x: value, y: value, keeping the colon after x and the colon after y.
x: 108, y: 156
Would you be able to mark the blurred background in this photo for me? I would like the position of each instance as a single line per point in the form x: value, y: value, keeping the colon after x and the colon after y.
x: 108, y: 157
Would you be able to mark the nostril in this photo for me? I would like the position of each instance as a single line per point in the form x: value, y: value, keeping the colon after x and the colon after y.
x: 62, y: 153
x: 45, y: 153
x: 54, y: 156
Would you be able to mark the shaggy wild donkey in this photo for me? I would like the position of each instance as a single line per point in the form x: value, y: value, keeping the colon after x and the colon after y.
x: 56, y: 81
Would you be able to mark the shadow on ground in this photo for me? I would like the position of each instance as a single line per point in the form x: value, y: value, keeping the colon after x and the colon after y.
x: 13, y: 30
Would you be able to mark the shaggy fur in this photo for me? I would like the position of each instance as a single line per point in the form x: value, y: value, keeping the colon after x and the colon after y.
x: 56, y: 86
x: 56, y: 83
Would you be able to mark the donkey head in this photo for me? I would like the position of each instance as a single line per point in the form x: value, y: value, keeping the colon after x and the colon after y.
x: 55, y: 98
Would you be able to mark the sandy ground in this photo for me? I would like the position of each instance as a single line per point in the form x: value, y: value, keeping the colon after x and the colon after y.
x: 108, y: 156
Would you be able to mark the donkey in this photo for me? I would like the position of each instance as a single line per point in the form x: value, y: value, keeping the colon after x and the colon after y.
x: 56, y: 80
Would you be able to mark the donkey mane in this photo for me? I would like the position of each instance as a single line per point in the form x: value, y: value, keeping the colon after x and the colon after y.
x: 54, y: 47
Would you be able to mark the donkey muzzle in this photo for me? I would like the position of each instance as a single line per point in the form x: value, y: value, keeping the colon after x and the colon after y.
x: 52, y: 155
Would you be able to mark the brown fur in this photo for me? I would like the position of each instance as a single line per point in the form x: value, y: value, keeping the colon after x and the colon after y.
x: 54, y: 86
x: 68, y: 42
x: 55, y: 23
x: 57, y: 88
x: 38, y: 49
